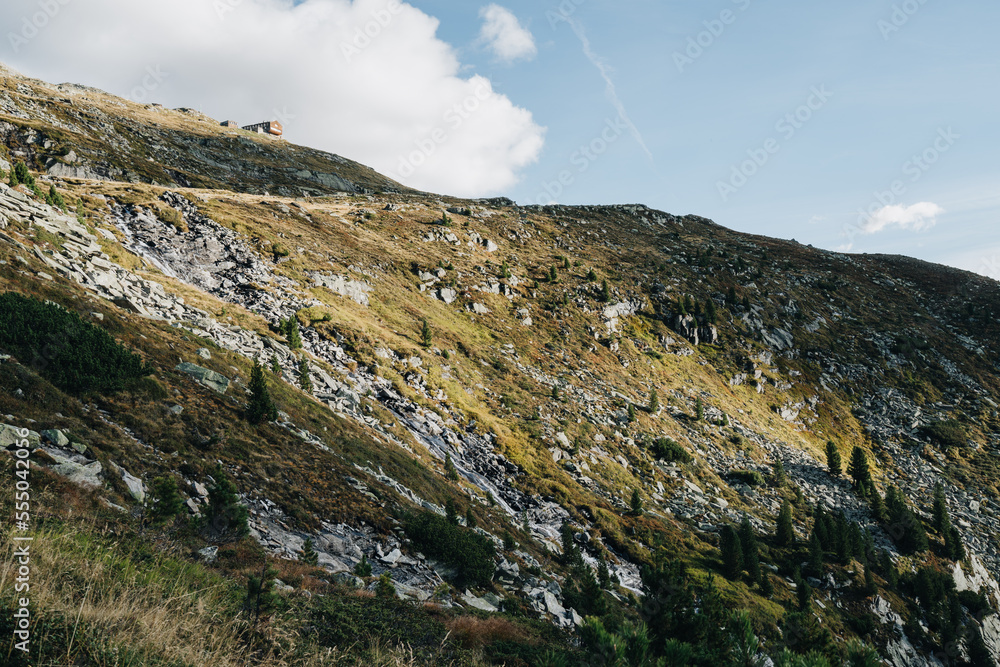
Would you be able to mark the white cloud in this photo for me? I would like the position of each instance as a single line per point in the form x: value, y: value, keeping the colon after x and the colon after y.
x: 505, y: 36
x: 918, y: 217
x: 367, y: 79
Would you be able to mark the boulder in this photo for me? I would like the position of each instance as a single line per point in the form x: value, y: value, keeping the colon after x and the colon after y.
x: 56, y: 437
x: 208, y: 378
x: 83, y: 475
x: 10, y: 435
x: 135, y: 486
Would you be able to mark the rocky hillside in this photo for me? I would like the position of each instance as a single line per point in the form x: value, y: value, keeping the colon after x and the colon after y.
x: 500, y: 434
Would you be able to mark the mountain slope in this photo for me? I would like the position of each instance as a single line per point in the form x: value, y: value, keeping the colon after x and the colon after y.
x: 495, y: 365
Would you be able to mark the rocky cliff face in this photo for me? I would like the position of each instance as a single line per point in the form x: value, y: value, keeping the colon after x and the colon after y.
x: 550, y: 330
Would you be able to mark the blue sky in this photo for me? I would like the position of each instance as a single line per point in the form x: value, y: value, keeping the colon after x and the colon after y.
x: 860, y: 125
x: 899, y: 82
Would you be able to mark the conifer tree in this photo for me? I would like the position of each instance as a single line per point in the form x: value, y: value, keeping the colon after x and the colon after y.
x: 225, y: 518
x: 816, y: 554
x: 384, y: 589
x: 363, y: 568
x: 275, y: 365
x: 833, y: 461
x: 470, y: 518
x: 631, y: 413
x: 305, y: 382
x: 425, y: 333
x: 786, y: 532
x: 699, y: 409
x: 167, y: 501
x: 605, y: 294
x: 451, y: 512
x: 858, y: 469
x: 780, y: 477
x: 710, y: 313
x: 603, y: 573
x: 870, y: 587
x: 942, y: 521
x: 636, y: 503
x: 308, y: 554
x: 732, y: 553
x: 260, y: 599
x: 751, y: 553
x: 451, y: 472
x: 261, y: 408
x: 591, y: 276
x: 291, y: 330
x: 571, y: 553
x: 654, y: 402
x: 553, y: 275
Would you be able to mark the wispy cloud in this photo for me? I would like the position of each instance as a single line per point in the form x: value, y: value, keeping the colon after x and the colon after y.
x: 505, y: 36
x: 610, y: 90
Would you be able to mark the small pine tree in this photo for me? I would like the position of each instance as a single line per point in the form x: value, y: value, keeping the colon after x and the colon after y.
x: 942, y: 521
x: 605, y: 294
x: 731, y: 296
x: 833, y: 462
x: 291, y: 330
x: 451, y: 512
x: 167, y: 501
x: 308, y: 554
x: 979, y: 654
x: 305, y: 382
x: 732, y: 553
x: 425, y: 333
x: 571, y: 553
x: 591, y: 276
x: 603, y: 573
x: 225, y: 519
x: 689, y: 304
x: 261, y: 408
x: 804, y: 593
x: 766, y: 586
x: 275, y: 365
x: 785, y: 535
x: 555, y: 392
x: 654, y: 403
x: 566, y: 264
x: 363, y: 568
x: 55, y: 199
x: 553, y: 275
x: 816, y: 554
x: 751, y: 552
x: 636, y: 503
x: 260, y: 599
x: 779, y: 475
x: 699, y: 409
x: 871, y: 588
x: 631, y: 413
x: 81, y: 212
x: 858, y: 469
x: 953, y: 544
x: 384, y: 589
x: 710, y: 312
x: 450, y: 471
x: 470, y: 518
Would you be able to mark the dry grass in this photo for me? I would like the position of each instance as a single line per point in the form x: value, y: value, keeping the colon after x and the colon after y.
x: 472, y: 632
x: 87, y: 597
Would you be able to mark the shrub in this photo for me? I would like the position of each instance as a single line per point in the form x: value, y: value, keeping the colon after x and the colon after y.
x: 72, y: 354
x: 308, y: 554
x: 947, y: 433
x: 464, y: 549
x: 666, y: 449
x: 384, y: 589
x: 748, y: 477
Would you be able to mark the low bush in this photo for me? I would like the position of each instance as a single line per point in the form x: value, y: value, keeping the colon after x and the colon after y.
x: 666, y: 449
x: 464, y: 549
x: 947, y: 433
x: 72, y: 354
x: 748, y: 477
